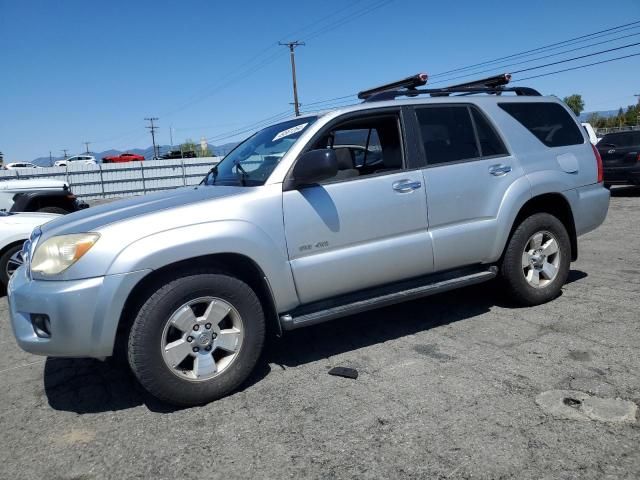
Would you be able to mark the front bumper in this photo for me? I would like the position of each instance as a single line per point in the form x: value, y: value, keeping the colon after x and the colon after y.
x: 83, y: 314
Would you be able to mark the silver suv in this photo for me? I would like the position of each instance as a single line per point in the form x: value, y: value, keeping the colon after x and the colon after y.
x: 313, y: 219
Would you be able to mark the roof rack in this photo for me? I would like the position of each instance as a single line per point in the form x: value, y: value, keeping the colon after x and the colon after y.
x: 493, y: 85
x: 410, y: 83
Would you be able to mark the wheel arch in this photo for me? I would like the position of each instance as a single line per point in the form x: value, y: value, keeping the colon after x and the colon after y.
x: 555, y: 204
x: 233, y: 264
x: 32, y: 201
x: 10, y: 245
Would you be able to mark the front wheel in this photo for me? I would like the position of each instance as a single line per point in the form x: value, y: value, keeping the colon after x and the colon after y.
x: 197, y: 338
x: 536, y: 262
x: 9, y: 263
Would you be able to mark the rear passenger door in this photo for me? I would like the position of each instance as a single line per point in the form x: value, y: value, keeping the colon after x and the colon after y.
x: 467, y: 175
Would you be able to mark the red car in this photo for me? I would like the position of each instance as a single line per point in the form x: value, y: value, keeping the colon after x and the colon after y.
x: 123, y: 157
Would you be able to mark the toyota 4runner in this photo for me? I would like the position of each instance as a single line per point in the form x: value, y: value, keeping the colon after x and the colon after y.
x: 313, y: 219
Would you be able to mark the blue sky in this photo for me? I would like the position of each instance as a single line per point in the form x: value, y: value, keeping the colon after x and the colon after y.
x: 86, y: 70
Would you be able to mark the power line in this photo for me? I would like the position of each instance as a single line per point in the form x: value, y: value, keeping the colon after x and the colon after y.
x: 578, y: 67
x: 504, y: 66
x: 575, y: 58
x: 544, y: 47
x: 347, y: 19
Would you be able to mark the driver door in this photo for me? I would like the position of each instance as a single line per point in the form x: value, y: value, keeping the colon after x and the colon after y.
x: 364, y: 228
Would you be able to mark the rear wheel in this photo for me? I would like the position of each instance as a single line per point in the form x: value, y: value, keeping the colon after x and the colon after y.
x: 197, y: 338
x: 537, y: 259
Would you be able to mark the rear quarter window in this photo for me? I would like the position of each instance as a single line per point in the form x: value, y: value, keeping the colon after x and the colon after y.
x: 548, y: 122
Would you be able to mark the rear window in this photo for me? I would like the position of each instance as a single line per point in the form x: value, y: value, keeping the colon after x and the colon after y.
x: 549, y: 122
x: 628, y: 139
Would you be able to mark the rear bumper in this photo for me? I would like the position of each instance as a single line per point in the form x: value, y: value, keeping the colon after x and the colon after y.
x: 623, y: 175
x: 590, y: 205
x: 83, y: 314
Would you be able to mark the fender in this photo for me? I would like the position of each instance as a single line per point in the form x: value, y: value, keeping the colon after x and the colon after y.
x: 518, y: 193
x: 538, y: 183
x: 23, y: 201
x: 224, y: 236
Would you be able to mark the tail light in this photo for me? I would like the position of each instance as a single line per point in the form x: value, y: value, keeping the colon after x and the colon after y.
x: 598, y: 163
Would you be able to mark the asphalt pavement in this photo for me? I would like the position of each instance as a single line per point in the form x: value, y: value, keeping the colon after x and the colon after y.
x: 459, y: 385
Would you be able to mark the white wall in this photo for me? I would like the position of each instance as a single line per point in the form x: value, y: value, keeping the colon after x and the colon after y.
x: 122, y: 179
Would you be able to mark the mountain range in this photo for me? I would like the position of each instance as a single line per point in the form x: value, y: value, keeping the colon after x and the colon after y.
x: 216, y: 150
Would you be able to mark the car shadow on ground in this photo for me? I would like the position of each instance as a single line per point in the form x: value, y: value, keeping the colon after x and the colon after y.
x: 92, y: 386
x: 626, y: 191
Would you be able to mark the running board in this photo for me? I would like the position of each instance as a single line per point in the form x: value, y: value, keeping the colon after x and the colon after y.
x: 382, y: 297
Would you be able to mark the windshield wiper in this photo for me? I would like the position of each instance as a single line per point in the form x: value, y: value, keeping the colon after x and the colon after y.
x: 243, y: 173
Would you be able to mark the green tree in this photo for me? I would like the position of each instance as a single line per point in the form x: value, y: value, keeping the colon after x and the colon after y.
x: 189, y: 146
x: 575, y: 103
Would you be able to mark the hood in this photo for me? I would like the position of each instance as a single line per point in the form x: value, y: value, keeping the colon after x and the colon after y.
x: 29, y: 218
x: 91, y: 219
x: 32, y: 184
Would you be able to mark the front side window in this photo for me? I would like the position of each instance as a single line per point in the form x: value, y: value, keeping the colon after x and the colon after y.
x: 447, y: 134
x: 251, y: 162
x: 365, y: 146
x: 548, y: 122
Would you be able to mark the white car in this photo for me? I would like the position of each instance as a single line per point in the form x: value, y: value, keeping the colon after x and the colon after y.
x: 76, y: 160
x: 16, y: 165
x: 593, y: 138
x: 15, y: 228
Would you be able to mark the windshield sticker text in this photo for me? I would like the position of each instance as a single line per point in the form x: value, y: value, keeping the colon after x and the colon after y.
x: 290, y: 131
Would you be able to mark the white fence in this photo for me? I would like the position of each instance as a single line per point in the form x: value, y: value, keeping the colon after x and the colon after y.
x: 122, y: 179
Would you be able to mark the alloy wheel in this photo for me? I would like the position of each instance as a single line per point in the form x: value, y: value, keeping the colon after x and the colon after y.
x: 202, y: 338
x: 541, y: 259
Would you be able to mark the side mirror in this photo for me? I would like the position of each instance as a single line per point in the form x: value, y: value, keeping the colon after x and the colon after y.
x: 313, y: 167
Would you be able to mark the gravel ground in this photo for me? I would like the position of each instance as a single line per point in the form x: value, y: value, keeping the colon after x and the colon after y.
x: 447, y: 389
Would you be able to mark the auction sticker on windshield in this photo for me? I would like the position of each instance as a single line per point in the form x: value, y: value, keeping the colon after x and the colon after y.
x: 290, y: 131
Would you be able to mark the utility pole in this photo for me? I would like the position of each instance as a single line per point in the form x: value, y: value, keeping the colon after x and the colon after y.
x: 171, y: 135
x: 50, y: 158
x: 86, y: 144
x: 64, y: 150
x: 153, y: 129
x: 292, y: 46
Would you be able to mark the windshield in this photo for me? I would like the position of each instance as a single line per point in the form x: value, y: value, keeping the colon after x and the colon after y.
x: 251, y: 162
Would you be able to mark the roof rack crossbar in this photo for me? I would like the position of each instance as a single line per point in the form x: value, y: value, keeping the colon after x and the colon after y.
x: 446, y: 91
x: 494, y: 85
x: 409, y: 83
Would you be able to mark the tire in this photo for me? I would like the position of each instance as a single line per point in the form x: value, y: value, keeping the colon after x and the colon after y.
x: 58, y: 210
x: 6, y: 264
x: 154, y: 332
x: 520, y: 280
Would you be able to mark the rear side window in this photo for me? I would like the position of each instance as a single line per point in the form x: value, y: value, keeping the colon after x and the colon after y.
x: 447, y: 134
x: 549, y: 122
x: 490, y: 143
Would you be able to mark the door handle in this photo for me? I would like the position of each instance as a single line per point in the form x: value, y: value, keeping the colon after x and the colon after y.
x: 499, y: 169
x: 406, y: 186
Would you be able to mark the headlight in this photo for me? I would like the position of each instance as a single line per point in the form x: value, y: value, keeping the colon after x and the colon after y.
x: 57, y: 254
